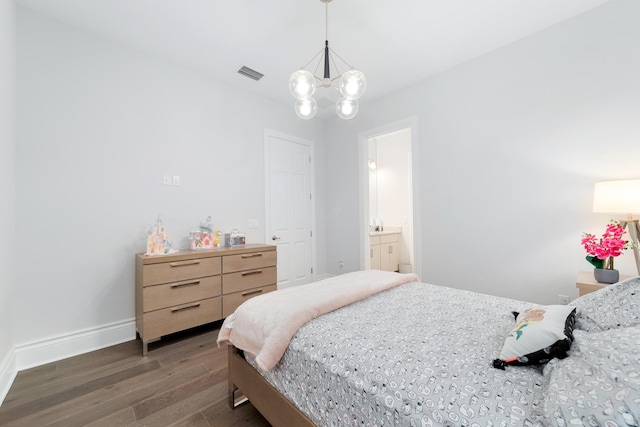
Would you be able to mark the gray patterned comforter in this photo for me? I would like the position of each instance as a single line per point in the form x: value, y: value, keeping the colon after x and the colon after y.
x: 416, y: 355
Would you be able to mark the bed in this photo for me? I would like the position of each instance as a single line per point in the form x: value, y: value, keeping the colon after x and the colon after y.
x: 417, y: 354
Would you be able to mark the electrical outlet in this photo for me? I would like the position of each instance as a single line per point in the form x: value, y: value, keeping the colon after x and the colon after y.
x: 166, y: 179
x: 564, y: 299
x: 341, y: 265
x: 176, y: 180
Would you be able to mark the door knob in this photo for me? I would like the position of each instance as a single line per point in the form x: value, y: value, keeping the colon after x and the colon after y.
x: 275, y: 238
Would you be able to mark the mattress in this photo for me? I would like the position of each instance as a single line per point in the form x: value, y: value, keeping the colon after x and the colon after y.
x: 415, y: 355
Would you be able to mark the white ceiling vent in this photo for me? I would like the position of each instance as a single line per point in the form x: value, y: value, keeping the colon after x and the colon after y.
x: 252, y: 74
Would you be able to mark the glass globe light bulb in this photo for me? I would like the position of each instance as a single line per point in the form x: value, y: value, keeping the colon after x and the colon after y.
x: 306, y: 108
x: 346, y: 108
x: 353, y: 83
x: 302, y: 84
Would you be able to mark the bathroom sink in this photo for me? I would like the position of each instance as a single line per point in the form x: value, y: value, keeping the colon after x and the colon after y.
x: 387, y: 230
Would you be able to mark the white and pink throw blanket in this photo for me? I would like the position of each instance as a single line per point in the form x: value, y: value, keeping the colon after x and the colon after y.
x: 264, y: 325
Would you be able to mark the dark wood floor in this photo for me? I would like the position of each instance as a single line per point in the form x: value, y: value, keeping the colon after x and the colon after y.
x: 181, y: 382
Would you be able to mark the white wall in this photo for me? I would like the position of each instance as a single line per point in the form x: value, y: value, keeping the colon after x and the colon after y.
x: 7, y: 196
x: 99, y: 123
x: 510, y: 145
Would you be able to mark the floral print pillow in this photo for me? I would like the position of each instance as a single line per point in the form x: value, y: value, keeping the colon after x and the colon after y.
x: 539, y: 335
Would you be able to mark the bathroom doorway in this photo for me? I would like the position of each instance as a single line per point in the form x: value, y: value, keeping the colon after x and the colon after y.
x: 387, y: 196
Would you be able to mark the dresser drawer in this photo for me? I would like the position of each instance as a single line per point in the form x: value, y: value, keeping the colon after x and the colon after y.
x: 171, y: 294
x: 167, y: 272
x: 251, y: 261
x: 173, y: 319
x: 232, y: 301
x: 243, y: 280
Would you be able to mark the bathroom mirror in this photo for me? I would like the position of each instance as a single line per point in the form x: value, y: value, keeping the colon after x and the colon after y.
x: 373, y: 180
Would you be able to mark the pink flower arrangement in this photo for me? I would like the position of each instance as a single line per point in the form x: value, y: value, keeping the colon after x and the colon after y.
x: 600, y: 252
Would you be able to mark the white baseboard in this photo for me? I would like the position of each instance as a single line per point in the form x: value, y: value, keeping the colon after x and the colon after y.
x: 8, y: 372
x: 323, y: 276
x: 60, y: 347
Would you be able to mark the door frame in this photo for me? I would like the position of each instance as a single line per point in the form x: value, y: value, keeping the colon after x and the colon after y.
x: 363, y: 169
x: 268, y: 133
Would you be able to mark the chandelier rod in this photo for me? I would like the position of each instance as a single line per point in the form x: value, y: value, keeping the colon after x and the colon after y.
x: 327, y: 73
x: 340, y: 58
x: 311, y: 60
x: 326, y: 20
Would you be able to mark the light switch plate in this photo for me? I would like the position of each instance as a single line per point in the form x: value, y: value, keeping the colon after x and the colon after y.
x: 166, y: 179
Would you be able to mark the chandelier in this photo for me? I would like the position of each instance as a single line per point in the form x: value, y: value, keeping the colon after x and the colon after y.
x: 303, y: 83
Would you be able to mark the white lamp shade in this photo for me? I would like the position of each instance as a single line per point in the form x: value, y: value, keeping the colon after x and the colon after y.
x: 306, y: 108
x: 353, y: 84
x: 346, y: 108
x: 617, y: 196
x: 302, y: 84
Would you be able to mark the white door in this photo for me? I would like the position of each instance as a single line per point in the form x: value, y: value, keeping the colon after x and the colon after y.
x: 289, y: 207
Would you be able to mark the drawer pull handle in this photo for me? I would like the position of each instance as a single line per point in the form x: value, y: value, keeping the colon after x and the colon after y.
x: 248, y: 273
x: 257, y: 291
x: 183, y: 263
x: 189, y: 307
x: 251, y: 255
x: 180, y: 285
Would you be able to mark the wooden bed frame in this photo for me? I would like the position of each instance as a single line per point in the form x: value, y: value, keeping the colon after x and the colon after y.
x: 276, y: 408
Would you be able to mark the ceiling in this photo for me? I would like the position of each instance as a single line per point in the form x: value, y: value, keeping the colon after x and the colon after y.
x: 395, y: 43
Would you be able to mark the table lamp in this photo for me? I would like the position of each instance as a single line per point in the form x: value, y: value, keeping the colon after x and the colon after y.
x: 621, y: 197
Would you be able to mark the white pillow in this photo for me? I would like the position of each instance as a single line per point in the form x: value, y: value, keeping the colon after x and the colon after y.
x: 540, y: 334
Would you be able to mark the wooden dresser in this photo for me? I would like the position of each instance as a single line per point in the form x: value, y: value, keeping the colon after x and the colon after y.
x: 190, y: 288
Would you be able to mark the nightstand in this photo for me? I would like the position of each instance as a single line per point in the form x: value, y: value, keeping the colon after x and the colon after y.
x: 587, y: 284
